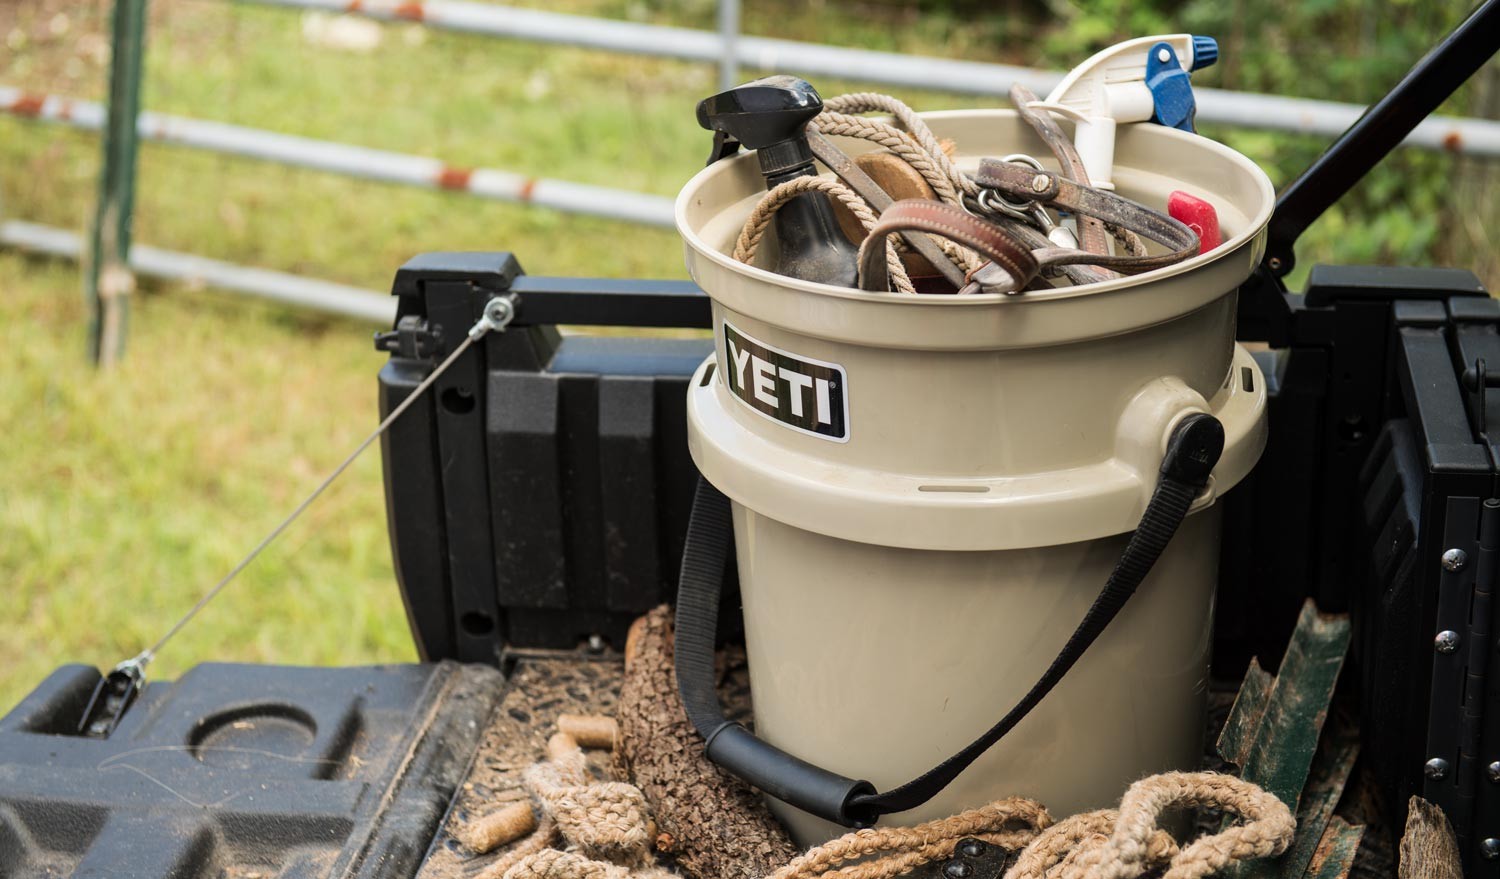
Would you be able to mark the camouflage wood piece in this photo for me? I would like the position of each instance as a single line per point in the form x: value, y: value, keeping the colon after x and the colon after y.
x: 714, y: 825
x: 1274, y: 733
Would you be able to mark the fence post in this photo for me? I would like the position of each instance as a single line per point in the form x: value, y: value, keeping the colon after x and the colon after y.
x: 729, y: 35
x: 108, y: 281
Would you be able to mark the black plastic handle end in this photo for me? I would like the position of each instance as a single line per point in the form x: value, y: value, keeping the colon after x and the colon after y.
x: 1193, y: 450
x: 795, y: 782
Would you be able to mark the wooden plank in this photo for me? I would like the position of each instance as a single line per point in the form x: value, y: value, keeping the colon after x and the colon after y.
x: 1330, y: 775
x: 1273, y: 735
x: 1428, y: 848
x: 1245, y: 715
x: 1335, y: 852
x: 1281, y: 753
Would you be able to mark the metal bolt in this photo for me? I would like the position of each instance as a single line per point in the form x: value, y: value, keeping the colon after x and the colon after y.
x: 1490, y: 848
x: 1455, y: 559
x: 958, y: 870
x: 1446, y: 641
x: 596, y: 644
x: 1436, y: 769
x: 499, y: 310
x: 498, y: 313
x: 1275, y: 263
x: 1039, y: 183
x: 970, y: 848
x: 1493, y: 772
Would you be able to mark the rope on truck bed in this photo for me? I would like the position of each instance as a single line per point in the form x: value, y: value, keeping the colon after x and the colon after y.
x: 713, y: 826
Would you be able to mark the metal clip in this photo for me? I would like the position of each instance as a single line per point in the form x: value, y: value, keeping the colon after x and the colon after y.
x: 1032, y: 212
x: 114, y: 694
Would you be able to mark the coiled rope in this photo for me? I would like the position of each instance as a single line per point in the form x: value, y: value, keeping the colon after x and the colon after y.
x: 607, y: 832
x: 1008, y: 823
x: 1127, y: 843
x: 765, y: 210
x: 604, y: 824
x: 911, y: 140
x: 1107, y: 844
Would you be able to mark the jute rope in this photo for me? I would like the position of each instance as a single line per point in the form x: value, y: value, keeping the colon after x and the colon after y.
x: 916, y: 145
x: 913, y: 141
x: 760, y: 219
x: 902, y: 143
x: 1108, y: 844
x: 608, y: 835
x: 1010, y: 823
x: 604, y: 825
x: 1125, y: 844
x: 912, y: 124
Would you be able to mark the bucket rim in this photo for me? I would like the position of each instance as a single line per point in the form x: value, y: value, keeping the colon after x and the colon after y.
x: 1254, y: 228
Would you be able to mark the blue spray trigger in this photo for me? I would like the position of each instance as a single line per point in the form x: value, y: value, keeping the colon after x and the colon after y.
x: 1171, y: 89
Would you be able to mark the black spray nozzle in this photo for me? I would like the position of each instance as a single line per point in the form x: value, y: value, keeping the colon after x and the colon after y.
x: 769, y: 116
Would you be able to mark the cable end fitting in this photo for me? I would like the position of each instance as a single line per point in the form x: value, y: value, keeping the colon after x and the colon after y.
x: 498, y: 313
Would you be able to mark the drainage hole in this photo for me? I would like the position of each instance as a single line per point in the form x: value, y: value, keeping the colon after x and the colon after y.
x: 459, y: 401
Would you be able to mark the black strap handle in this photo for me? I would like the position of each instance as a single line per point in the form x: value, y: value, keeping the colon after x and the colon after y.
x: 1193, y: 450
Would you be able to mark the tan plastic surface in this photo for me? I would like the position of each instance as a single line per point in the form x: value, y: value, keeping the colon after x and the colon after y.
x: 904, y: 587
x: 879, y: 663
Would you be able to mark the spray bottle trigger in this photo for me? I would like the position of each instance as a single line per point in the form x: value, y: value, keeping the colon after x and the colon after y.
x: 1171, y: 89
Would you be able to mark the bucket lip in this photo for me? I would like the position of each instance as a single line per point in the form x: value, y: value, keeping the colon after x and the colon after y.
x: 1252, y: 229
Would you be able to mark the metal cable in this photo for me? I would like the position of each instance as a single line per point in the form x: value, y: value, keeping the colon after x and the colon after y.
x: 145, y: 657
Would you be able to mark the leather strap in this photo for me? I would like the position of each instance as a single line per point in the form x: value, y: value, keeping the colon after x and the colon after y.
x: 1022, y: 182
x: 955, y: 224
x: 1033, y: 238
x: 866, y: 188
x: 1091, y: 232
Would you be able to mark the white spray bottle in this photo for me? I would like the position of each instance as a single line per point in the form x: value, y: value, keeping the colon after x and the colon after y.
x: 1138, y: 80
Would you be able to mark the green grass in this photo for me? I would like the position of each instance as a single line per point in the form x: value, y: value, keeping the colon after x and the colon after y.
x: 124, y: 494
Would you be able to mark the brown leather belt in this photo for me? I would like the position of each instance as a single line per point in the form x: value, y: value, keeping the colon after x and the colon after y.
x: 1091, y: 232
x: 1013, y: 264
x: 1020, y: 182
x: 1007, y: 254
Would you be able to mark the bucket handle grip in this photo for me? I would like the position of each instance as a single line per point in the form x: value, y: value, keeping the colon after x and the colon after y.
x: 1193, y: 449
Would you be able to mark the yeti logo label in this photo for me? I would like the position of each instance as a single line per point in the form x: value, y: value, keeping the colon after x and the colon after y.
x: 810, y: 396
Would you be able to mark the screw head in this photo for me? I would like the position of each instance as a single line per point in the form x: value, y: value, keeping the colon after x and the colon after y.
x: 1446, y: 641
x: 596, y: 644
x: 1490, y: 849
x: 958, y: 870
x: 1455, y: 559
x: 1436, y: 769
x: 970, y: 847
x: 1492, y: 772
x: 1039, y: 183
